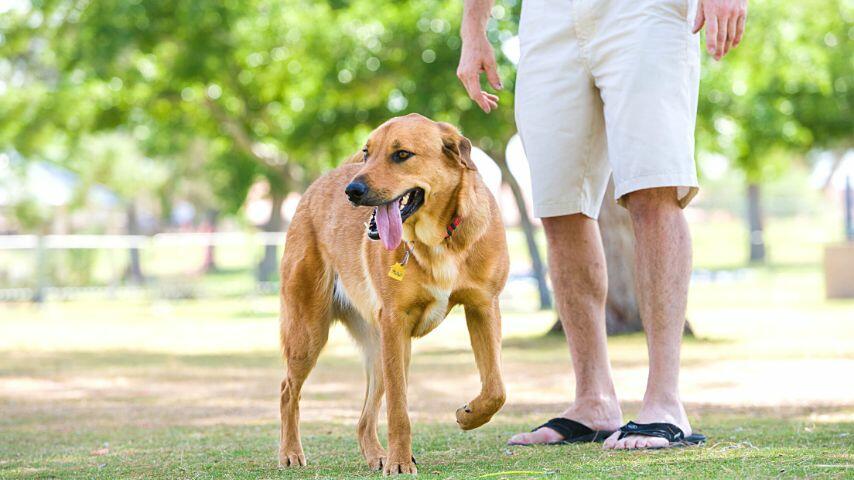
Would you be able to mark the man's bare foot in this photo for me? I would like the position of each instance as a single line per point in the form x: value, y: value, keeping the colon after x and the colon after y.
x: 601, y: 414
x: 652, y: 412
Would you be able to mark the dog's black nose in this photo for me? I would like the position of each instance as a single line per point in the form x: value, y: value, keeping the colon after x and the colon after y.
x: 356, y: 190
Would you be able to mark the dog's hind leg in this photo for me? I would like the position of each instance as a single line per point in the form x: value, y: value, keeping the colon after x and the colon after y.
x: 306, y: 315
x: 368, y: 339
x: 484, y: 324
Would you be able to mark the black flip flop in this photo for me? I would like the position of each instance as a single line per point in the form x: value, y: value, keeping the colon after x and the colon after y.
x: 572, y: 432
x: 667, y: 431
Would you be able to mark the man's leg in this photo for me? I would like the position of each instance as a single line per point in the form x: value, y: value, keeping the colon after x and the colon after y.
x: 579, y: 279
x: 663, y: 270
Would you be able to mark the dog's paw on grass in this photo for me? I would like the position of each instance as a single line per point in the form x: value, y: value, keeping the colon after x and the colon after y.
x: 376, y: 463
x: 293, y: 459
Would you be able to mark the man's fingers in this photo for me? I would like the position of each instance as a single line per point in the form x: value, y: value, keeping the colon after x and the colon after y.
x: 699, y: 20
x: 471, y: 81
x: 491, y: 96
x: 730, y: 33
x: 739, y: 30
x: 720, y: 44
x: 492, y: 75
x: 492, y: 102
x: 711, y: 34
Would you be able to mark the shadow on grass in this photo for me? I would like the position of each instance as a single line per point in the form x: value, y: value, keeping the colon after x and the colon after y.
x: 557, y: 340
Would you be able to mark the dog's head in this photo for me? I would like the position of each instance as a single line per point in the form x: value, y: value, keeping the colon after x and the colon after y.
x: 407, y: 162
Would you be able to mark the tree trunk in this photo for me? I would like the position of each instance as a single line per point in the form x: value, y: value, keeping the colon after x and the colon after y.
x: 268, y: 266
x: 621, y: 307
x: 134, y: 271
x: 754, y: 222
x: 537, y: 266
x: 210, y: 226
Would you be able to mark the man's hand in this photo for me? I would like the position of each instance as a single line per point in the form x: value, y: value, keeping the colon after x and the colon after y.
x: 477, y: 56
x: 724, y: 21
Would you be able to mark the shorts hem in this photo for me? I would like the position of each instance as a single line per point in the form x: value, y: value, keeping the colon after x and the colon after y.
x: 687, y: 186
x: 565, y: 208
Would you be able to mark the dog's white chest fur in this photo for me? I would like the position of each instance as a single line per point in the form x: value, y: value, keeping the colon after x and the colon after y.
x: 443, y: 270
x: 434, y: 312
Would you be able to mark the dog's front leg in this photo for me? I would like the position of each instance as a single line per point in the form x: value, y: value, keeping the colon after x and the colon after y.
x: 395, y: 346
x: 484, y: 324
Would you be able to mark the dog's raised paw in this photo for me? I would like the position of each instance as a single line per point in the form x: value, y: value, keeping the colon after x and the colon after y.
x: 467, y: 419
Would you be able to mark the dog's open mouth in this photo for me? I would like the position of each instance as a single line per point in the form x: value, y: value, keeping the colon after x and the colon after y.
x: 386, y: 222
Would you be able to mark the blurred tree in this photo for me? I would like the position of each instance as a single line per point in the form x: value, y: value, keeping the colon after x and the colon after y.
x: 113, y: 159
x: 282, y: 89
x: 785, y: 90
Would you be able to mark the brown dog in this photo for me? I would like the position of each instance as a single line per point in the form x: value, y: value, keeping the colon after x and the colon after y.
x: 428, y: 200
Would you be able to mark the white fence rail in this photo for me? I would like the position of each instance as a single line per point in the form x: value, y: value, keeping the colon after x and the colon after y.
x: 38, y: 247
x: 122, y: 242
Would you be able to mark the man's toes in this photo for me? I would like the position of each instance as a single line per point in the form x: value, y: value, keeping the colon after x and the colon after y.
x: 642, y: 442
x: 632, y: 442
x: 652, y: 442
x: 611, y: 442
x: 537, y: 437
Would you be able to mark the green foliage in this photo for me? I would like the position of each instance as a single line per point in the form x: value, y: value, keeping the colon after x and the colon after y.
x: 786, y: 89
x: 284, y: 89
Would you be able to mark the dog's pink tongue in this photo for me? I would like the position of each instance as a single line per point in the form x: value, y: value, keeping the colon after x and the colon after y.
x: 389, y: 224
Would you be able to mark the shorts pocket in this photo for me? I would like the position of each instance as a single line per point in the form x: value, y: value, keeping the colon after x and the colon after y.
x: 692, y: 47
x: 527, y: 22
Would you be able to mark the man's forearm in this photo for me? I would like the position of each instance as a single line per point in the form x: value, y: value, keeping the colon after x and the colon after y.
x: 475, y: 15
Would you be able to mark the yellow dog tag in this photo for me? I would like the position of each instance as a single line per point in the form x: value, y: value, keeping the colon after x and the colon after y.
x: 396, y: 272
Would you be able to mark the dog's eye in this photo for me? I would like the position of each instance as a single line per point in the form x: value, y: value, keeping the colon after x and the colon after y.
x: 365, y: 154
x: 401, y: 155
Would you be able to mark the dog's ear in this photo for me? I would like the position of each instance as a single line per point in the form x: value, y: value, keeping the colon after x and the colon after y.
x: 456, y: 146
x: 358, y: 157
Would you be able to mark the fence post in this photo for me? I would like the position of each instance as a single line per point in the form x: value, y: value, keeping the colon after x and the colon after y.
x: 849, y: 206
x: 39, y: 295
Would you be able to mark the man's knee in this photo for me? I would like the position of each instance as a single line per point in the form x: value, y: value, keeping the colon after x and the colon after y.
x: 653, y: 204
x: 557, y: 228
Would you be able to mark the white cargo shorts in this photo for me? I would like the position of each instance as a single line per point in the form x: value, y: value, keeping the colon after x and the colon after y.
x: 607, y: 86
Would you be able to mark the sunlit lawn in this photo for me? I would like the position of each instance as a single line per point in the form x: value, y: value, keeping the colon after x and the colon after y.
x: 188, y: 389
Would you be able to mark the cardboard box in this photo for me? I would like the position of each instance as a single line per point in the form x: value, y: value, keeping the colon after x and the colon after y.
x: 839, y: 270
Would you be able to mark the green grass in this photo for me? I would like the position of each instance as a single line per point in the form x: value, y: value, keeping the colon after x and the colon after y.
x: 188, y: 389
x: 743, y: 446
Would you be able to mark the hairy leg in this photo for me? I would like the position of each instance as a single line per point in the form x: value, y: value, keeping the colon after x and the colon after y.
x: 579, y: 278
x: 663, y: 271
